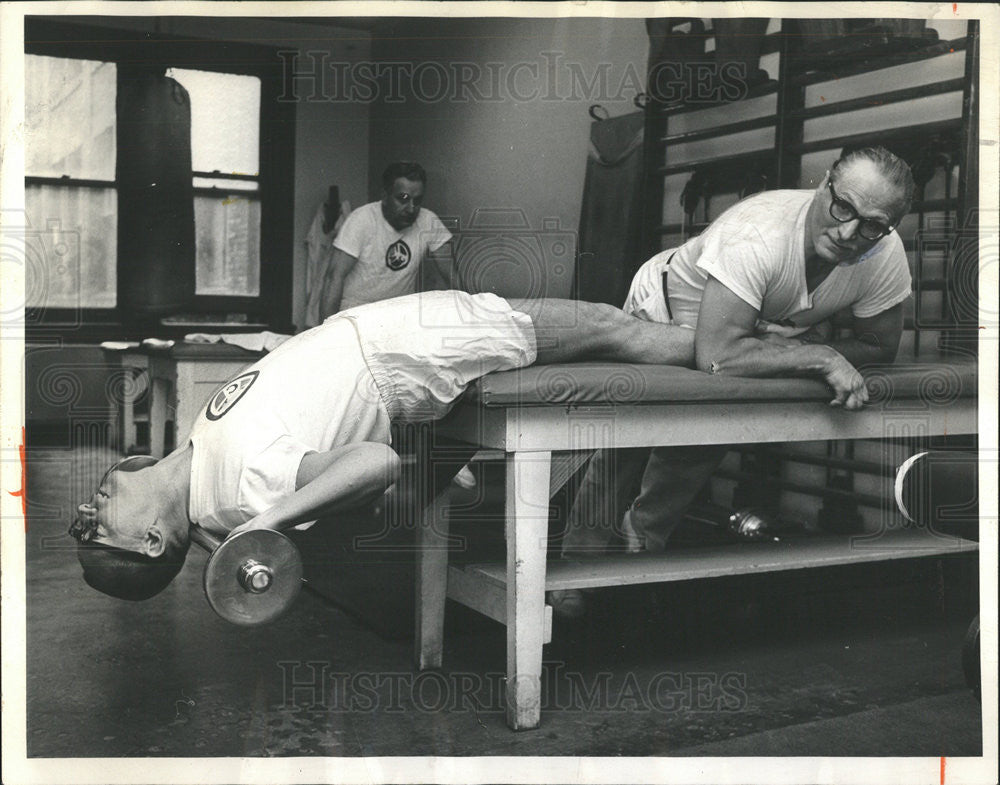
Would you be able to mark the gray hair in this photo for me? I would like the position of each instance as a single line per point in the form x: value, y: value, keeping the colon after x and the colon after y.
x: 893, y: 168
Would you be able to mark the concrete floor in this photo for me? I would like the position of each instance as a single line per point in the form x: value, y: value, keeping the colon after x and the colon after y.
x: 855, y: 661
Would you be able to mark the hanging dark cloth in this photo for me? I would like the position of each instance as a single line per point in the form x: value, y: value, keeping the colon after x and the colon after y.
x: 738, y: 43
x: 610, y: 217
x: 156, y: 239
x: 681, y: 71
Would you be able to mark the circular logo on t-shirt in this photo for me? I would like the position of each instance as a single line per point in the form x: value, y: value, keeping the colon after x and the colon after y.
x: 227, y: 397
x: 397, y: 255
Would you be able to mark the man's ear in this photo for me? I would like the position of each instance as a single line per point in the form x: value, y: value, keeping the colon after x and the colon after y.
x: 154, y: 543
x: 822, y: 185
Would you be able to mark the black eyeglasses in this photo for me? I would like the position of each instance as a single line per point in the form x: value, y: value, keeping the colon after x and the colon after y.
x: 843, y: 211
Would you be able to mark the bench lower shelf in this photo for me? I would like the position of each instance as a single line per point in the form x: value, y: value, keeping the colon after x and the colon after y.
x: 483, y: 587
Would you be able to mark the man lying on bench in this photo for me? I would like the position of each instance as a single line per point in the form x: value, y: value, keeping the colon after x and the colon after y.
x: 756, y: 287
x: 304, y: 432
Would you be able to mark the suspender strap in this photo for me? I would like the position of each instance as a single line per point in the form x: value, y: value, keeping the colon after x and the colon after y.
x: 666, y: 295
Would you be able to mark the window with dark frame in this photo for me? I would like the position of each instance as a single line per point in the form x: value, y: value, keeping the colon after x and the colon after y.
x: 70, y: 191
x: 225, y: 153
x: 242, y: 160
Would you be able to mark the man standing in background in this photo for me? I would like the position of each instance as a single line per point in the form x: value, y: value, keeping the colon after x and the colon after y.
x: 378, y: 252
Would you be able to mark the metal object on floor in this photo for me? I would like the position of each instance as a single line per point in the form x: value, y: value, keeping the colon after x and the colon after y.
x: 252, y: 577
x: 750, y: 525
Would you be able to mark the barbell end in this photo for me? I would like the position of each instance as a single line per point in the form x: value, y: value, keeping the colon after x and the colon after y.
x: 252, y: 577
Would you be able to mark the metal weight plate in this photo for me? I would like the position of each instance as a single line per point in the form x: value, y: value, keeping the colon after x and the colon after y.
x: 253, y: 577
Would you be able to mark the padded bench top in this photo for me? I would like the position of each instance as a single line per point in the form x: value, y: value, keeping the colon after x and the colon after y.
x: 614, y: 383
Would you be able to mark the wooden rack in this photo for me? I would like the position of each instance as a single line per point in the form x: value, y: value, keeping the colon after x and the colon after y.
x: 943, y: 252
x: 781, y: 164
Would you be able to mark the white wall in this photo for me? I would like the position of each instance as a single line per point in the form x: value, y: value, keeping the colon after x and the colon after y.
x: 331, y: 145
x: 488, y: 149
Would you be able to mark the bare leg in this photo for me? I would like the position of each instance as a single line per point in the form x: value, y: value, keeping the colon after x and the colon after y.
x: 570, y: 330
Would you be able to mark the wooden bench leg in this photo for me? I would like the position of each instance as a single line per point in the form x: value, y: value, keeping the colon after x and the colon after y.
x: 158, y: 394
x: 527, y: 529
x: 432, y: 581
x: 132, y: 388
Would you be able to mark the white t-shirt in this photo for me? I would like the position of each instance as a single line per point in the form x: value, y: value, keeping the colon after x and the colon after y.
x: 407, y: 359
x: 311, y: 394
x: 388, y: 260
x: 755, y: 248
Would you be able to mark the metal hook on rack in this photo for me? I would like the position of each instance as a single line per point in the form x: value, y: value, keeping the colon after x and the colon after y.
x: 598, y: 112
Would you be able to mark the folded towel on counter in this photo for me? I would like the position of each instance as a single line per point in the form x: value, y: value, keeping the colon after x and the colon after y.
x: 147, y: 343
x: 157, y: 343
x: 119, y: 346
x: 254, y: 342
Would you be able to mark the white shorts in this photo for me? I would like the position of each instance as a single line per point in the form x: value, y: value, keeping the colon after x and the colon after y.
x: 425, y: 349
x: 646, y: 299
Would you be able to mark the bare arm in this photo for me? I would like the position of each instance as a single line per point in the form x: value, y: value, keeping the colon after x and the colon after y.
x: 443, y: 274
x: 725, y: 344
x: 333, y: 284
x: 875, y: 339
x: 327, y: 482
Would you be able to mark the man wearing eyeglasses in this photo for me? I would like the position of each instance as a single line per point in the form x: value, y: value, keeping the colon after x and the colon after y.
x: 758, y: 287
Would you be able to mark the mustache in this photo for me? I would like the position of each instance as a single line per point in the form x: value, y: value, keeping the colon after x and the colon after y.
x: 82, y: 530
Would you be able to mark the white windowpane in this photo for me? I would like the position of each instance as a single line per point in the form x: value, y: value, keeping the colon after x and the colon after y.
x: 71, y: 248
x: 227, y: 185
x: 225, y: 120
x: 69, y: 116
x: 228, y: 246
